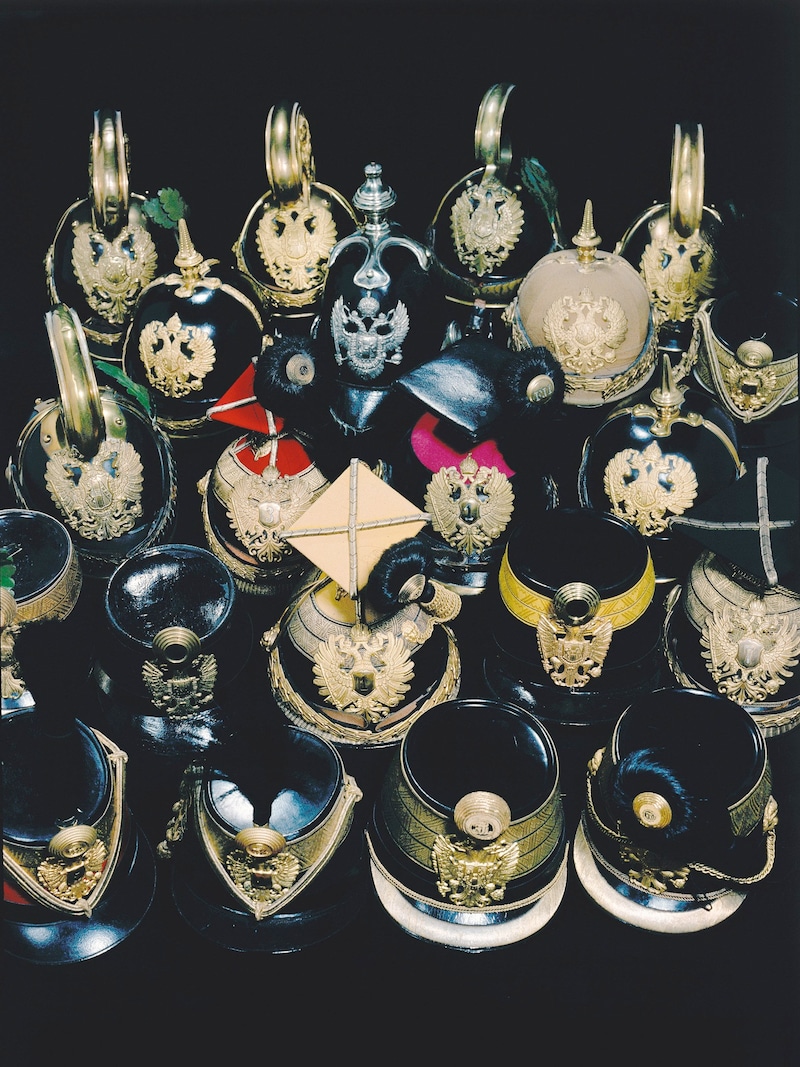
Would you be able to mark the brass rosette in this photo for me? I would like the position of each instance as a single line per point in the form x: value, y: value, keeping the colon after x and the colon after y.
x: 750, y: 382
x: 261, y: 869
x: 72, y: 872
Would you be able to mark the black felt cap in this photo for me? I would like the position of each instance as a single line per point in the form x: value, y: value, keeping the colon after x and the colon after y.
x: 753, y: 524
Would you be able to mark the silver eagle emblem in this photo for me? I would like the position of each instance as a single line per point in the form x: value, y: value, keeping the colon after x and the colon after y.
x: 368, y: 338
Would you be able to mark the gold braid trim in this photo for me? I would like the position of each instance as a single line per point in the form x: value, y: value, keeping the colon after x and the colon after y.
x: 299, y: 711
x: 442, y: 905
x: 621, y: 611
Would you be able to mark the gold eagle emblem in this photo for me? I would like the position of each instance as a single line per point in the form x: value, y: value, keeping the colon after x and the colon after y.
x: 100, y: 499
x: 295, y: 242
x: 573, y: 655
x: 262, y: 506
x: 585, y: 333
x: 73, y: 877
x: 473, y: 877
x: 749, y: 653
x: 262, y: 878
x: 470, y: 505
x: 646, y: 487
x: 366, y: 670
x: 679, y: 274
x: 643, y: 870
x: 176, y: 358
x: 112, y: 274
x: 486, y: 223
x: 181, y: 690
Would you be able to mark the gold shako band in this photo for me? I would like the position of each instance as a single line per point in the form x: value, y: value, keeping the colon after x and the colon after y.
x: 621, y: 610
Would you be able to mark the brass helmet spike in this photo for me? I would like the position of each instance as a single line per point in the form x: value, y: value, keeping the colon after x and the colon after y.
x: 586, y: 239
x: 187, y: 256
x: 668, y: 394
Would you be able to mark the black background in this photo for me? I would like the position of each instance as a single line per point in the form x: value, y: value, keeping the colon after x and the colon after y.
x: 599, y: 88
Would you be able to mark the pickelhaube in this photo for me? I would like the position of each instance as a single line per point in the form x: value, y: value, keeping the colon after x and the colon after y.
x: 467, y: 840
x: 287, y: 238
x: 267, y: 477
x: 375, y: 323
x: 106, y: 248
x: 40, y: 579
x: 79, y: 874
x: 574, y: 624
x: 494, y: 223
x: 94, y: 459
x: 475, y: 453
x: 592, y: 310
x: 264, y: 850
x: 679, y: 819
x: 657, y: 455
x: 363, y: 648
x: 674, y: 247
x: 193, y: 332
x: 733, y: 627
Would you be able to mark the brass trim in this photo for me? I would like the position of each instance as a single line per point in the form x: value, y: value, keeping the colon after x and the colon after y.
x: 687, y: 187
x: 109, y: 170
x: 416, y: 827
x: 439, y: 905
x: 22, y: 863
x: 491, y: 148
x: 79, y: 395
x: 299, y: 711
x: 310, y: 852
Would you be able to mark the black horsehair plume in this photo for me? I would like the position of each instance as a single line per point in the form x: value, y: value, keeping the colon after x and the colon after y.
x: 286, y: 379
x: 400, y: 562
x: 645, y: 770
x: 527, y: 400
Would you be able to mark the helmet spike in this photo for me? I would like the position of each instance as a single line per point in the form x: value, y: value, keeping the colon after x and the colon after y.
x: 188, y: 256
x: 668, y: 394
x: 586, y: 239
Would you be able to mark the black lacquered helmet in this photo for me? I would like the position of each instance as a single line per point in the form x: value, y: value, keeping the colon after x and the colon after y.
x: 674, y: 246
x: 194, y: 330
x: 79, y: 874
x: 655, y: 457
x: 467, y: 839
x: 495, y: 222
x: 265, y: 854
x: 94, y: 459
x: 106, y: 247
x: 679, y: 819
x: 575, y: 624
x: 175, y: 640
x: 286, y: 240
